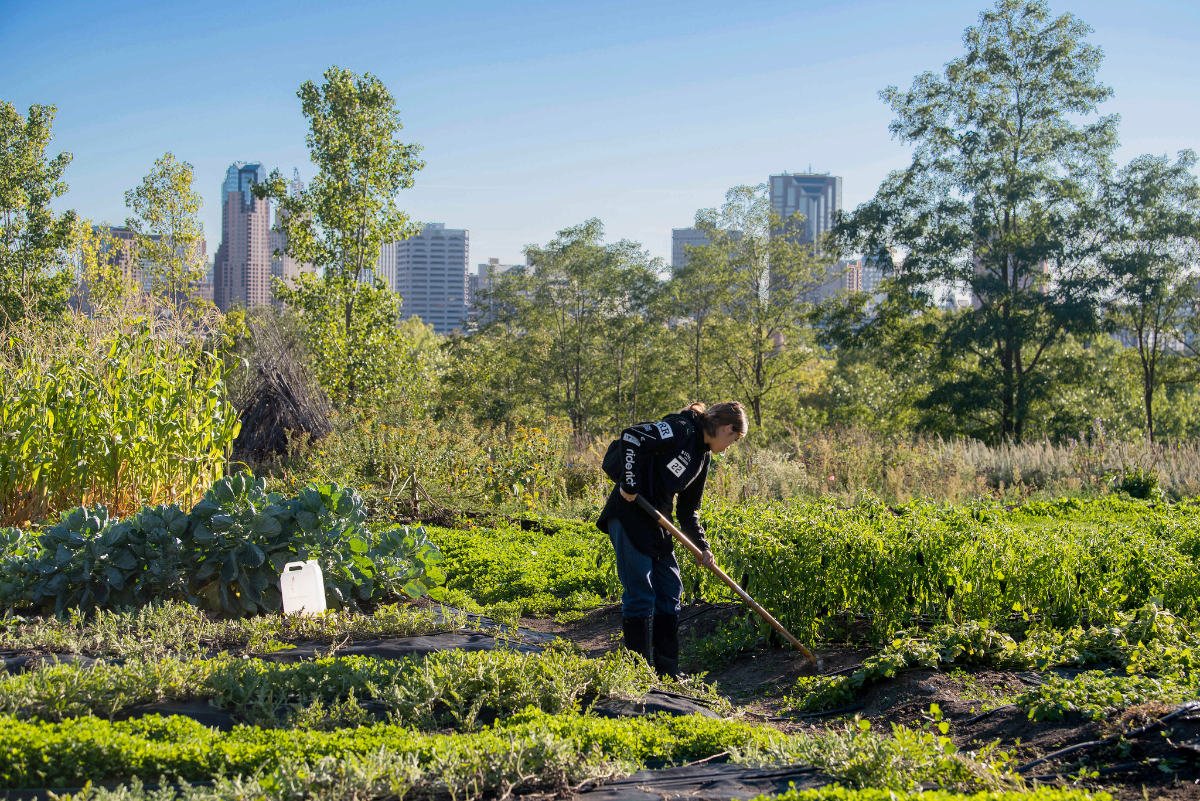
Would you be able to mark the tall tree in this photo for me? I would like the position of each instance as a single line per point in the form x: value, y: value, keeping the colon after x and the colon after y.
x: 35, y: 279
x: 103, y: 284
x: 359, y: 366
x: 168, y: 235
x: 697, y: 291
x: 579, y: 330
x: 1001, y: 198
x: 340, y: 220
x: 592, y: 299
x: 1152, y: 251
x: 764, y: 279
x: 868, y: 338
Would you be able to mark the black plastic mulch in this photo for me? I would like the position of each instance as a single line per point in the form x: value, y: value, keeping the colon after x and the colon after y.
x: 708, y: 782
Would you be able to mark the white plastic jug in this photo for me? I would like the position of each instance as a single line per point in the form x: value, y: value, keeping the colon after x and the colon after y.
x: 303, y: 587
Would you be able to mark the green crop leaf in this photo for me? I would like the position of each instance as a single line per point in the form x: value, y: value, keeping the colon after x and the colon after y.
x: 229, y: 568
x: 267, y: 525
x: 251, y: 556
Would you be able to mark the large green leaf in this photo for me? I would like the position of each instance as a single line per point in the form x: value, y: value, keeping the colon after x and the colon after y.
x: 229, y: 569
x: 266, y: 524
x: 251, y: 556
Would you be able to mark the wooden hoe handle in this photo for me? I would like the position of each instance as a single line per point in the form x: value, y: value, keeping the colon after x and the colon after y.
x: 721, y: 574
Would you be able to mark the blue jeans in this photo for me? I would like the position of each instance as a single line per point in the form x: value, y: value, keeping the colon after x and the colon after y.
x: 652, y: 586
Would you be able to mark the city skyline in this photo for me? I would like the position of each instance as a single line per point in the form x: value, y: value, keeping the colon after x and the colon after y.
x: 534, y: 120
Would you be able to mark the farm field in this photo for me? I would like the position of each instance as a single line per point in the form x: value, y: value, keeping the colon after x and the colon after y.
x: 296, y: 503
x: 1039, y: 651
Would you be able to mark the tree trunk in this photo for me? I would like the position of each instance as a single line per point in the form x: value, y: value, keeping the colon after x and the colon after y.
x: 350, y: 371
x: 1148, y: 395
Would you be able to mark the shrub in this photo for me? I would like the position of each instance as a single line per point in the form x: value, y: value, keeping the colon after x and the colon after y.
x: 1139, y: 483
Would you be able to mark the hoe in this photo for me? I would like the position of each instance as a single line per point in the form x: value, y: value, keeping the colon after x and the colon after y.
x: 733, y: 585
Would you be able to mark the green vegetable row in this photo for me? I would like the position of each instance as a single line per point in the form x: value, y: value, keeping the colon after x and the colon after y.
x: 1151, y: 643
x: 822, y: 568
x: 180, y: 629
x: 529, y: 750
x: 451, y: 688
x: 82, y: 749
x: 559, y: 567
x: 875, y: 794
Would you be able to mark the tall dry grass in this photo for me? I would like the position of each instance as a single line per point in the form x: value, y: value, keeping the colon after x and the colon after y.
x: 846, y: 462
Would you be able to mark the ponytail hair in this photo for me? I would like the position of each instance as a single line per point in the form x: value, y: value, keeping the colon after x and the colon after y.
x: 729, y: 413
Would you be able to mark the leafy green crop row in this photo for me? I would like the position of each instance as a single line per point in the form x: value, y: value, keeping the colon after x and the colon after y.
x: 225, y: 555
x: 452, y: 688
x: 179, y: 629
x: 529, y: 749
x: 818, y: 566
x: 74, y: 751
x: 1095, y: 694
x: 824, y: 569
x: 559, y: 568
x: 1150, y: 642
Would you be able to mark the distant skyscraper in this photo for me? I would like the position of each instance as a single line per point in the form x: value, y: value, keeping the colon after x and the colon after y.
x: 874, y: 269
x: 123, y: 257
x: 844, y: 276
x: 242, y: 269
x: 431, y: 276
x: 681, y: 238
x: 283, y: 266
x: 480, y: 309
x: 817, y: 196
x: 385, y: 265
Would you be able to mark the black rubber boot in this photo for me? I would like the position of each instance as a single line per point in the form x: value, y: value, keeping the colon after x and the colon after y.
x: 666, y: 645
x: 637, y: 635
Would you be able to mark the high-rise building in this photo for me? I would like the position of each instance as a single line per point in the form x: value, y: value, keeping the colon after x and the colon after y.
x: 431, y: 276
x: 853, y: 275
x: 385, y: 266
x: 816, y: 196
x: 242, y: 268
x: 480, y: 308
x: 875, y: 268
x: 283, y: 266
x: 681, y: 239
x: 123, y: 258
x: 204, y: 289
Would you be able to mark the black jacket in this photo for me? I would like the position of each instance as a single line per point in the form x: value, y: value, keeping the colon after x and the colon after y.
x: 661, y: 460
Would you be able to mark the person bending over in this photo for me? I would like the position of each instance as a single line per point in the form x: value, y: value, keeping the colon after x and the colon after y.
x: 663, y: 461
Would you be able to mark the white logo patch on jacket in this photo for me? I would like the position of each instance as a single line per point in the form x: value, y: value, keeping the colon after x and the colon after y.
x: 677, y: 467
x: 664, y: 431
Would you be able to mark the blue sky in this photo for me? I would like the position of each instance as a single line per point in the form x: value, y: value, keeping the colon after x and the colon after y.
x: 536, y: 116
